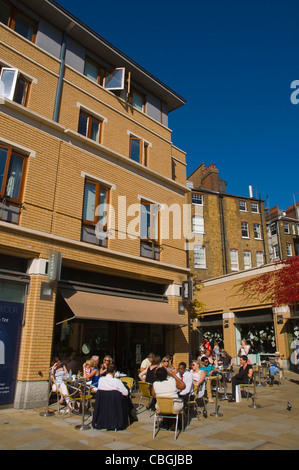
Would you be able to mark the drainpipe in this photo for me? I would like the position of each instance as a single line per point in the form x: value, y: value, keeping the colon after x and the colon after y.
x: 60, y: 78
x: 262, y: 226
x: 223, y: 237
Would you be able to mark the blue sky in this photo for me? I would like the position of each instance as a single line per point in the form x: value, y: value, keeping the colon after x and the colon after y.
x: 234, y: 62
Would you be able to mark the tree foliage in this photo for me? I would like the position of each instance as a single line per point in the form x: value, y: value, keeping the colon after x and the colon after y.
x: 196, y: 307
x: 277, y: 287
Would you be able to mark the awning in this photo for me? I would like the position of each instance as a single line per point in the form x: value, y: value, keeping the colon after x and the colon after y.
x: 92, y: 306
x: 254, y: 319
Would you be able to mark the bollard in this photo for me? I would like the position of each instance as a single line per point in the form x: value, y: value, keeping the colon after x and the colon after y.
x: 82, y: 426
x: 217, y: 414
x: 47, y: 412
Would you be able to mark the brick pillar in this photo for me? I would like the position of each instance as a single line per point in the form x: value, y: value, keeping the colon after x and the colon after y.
x: 280, y: 315
x: 229, y: 335
x: 36, y: 344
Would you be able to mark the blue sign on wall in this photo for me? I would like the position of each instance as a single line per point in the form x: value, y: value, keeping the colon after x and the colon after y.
x: 11, y: 314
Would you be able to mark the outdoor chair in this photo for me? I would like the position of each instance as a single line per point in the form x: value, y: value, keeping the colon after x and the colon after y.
x: 198, y: 393
x: 165, y: 410
x: 144, y: 393
x: 129, y: 382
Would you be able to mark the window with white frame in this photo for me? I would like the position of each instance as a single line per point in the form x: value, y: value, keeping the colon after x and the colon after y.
x: 197, y: 199
x: 13, y: 85
x: 243, y: 206
x: 257, y: 231
x: 276, y: 251
x: 293, y: 230
x: 255, y: 207
x: 259, y: 258
x: 289, y: 249
x: 198, y: 224
x: 244, y: 229
x: 247, y: 259
x: 234, y: 260
x: 286, y: 227
x: 199, y: 256
x: 273, y: 228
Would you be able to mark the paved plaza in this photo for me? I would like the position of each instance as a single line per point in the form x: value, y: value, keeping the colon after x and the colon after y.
x: 270, y: 427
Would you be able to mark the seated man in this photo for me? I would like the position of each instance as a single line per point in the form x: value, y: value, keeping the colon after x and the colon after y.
x: 187, y: 377
x: 211, y: 376
x: 245, y: 373
x: 113, y: 406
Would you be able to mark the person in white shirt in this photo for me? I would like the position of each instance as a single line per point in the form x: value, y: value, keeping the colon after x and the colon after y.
x: 147, y: 362
x: 197, y: 374
x: 108, y: 382
x: 186, y: 376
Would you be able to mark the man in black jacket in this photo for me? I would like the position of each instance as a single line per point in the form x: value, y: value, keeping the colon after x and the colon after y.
x: 245, y: 373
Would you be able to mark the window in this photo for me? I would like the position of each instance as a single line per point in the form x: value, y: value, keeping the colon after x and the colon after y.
x: 92, y: 70
x: 197, y: 198
x: 297, y: 229
x: 13, y: 85
x: 115, y: 79
x: 247, y: 259
x: 139, y: 150
x: 293, y: 230
x: 234, y: 260
x: 255, y: 207
x: 149, y: 231
x: 286, y: 228
x: 89, y: 126
x: 259, y: 258
x: 244, y: 229
x: 257, y: 231
x: 137, y: 99
x: 18, y: 21
x: 198, y: 224
x: 289, y: 249
x: 95, y: 213
x: 12, y: 173
x: 273, y: 229
x: 199, y: 256
x: 275, y: 251
x: 242, y: 206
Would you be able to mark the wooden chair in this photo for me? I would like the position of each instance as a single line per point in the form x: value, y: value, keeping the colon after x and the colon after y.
x: 165, y: 410
x: 144, y: 393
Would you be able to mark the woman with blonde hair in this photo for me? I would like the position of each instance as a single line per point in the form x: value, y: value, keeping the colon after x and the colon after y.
x: 106, y: 361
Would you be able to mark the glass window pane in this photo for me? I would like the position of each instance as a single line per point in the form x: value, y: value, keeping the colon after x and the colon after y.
x: 8, y: 82
x: 3, y: 157
x: 24, y: 26
x: 5, y: 10
x: 91, y: 70
x: 115, y: 79
x: 14, y: 177
x: 95, y: 130
x: 83, y: 121
x: 21, y: 91
x: 145, y: 221
x: 135, y: 150
x: 102, y: 213
x: 138, y: 101
x: 89, y: 202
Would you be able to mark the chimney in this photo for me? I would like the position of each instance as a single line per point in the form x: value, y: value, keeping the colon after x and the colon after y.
x: 250, y: 191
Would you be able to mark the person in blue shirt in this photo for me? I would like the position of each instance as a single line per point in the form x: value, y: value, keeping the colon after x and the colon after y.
x: 211, y: 376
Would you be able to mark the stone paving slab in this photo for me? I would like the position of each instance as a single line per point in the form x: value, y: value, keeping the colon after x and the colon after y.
x: 271, y: 427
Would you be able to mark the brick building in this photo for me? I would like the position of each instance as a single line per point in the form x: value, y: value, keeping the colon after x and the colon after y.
x: 283, y: 232
x: 87, y: 163
x: 229, y: 245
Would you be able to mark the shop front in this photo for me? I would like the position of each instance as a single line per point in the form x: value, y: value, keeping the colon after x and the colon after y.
x: 92, y: 321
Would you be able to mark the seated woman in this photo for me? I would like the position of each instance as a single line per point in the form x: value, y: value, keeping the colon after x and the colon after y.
x: 148, y: 374
x: 198, y: 374
x: 274, y: 368
x: 92, y: 374
x: 59, y: 373
x: 167, y: 384
x: 106, y: 361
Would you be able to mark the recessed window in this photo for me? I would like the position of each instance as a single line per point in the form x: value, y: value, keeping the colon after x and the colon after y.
x: 13, y: 85
x: 89, y: 126
x: 95, y: 213
x: 197, y: 199
x: 234, y: 260
x: 289, y: 249
x: 247, y: 259
x: 259, y: 258
x: 12, y: 176
x: 244, y: 230
x: 254, y: 207
x: 149, y: 231
x: 18, y: 21
x: 286, y: 228
x: 139, y: 150
x: 257, y: 231
x: 198, y: 224
x: 92, y: 70
x: 199, y: 256
x: 137, y: 99
x: 242, y: 206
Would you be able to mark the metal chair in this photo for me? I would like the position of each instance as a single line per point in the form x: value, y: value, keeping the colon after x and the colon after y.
x: 129, y: 381
x: 198, y: 392
x: 165, y: 410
